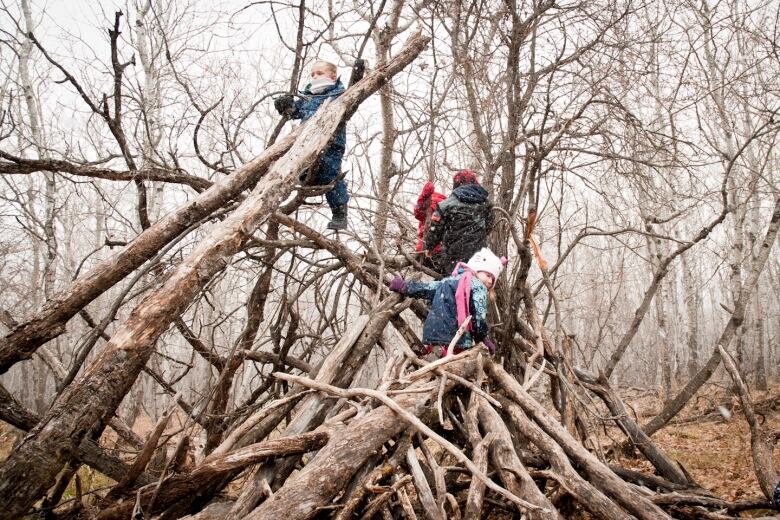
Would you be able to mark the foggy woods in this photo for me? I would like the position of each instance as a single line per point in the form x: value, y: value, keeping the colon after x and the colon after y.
x: 187, y: 330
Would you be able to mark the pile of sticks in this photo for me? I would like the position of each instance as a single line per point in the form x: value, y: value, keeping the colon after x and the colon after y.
x: 455, y: 438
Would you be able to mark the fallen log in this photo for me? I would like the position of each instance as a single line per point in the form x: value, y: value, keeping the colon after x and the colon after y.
x: 364, y: 485
x: 666, y: 467
x: 480, y: 447
x: 339, y: 368
x: 89, y: 452
x: 562, y: 471
x: 762, y: 443
x: 510, y: 469
x: 415, y: 422
x: 423, y: 487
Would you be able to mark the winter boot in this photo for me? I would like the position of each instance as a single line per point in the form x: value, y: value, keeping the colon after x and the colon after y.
x: 339, y: 219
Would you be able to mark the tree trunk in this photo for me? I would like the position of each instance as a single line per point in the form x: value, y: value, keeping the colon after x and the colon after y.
x: 692, y: 306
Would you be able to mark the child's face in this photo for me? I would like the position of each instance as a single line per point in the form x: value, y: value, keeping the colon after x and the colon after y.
x: 322, y: 72
x: 485, y: 278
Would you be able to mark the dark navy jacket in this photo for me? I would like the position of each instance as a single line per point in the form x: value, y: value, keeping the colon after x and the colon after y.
x: 307, y: 105
x: 461, y: 223
x: 441, y: 325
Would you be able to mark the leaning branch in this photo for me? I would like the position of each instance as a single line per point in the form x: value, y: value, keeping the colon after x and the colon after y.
x: 20, y: 166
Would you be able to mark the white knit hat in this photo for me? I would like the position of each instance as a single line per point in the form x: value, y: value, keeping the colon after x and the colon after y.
x: 485, y: 260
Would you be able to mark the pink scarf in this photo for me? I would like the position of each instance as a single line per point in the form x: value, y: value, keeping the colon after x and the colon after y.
x: 463, y: 293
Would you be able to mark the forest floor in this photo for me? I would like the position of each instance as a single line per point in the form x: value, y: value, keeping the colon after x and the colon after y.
x: 714, y: 449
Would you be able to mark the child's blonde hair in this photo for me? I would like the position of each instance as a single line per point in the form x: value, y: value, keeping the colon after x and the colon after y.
x: 330, y: 67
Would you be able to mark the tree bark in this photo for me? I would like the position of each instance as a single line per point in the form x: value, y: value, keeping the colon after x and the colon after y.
x: 762, y: 443
x: 692, y: 306
x: 511, y: 470
x: 89, y: 452
x: 666, y: 467
x: 177, y: 486
x: 583, y: 491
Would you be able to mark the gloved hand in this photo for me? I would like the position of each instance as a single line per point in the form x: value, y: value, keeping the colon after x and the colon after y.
x: 285, y: 104
x: 360, y: 68
x: 398, y: 285
x: 490, y: 345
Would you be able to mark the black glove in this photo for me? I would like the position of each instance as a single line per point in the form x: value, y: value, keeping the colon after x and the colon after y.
x: 358, y: 69
x: 285, y: 104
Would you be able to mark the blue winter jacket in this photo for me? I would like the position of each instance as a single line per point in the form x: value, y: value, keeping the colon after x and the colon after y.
x: 308, y: 103
x: 441, y: 325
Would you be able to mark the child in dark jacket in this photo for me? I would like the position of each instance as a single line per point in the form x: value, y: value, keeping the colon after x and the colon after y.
x: 324, y: 85
x: 461, y: 223
x: 453, y: 300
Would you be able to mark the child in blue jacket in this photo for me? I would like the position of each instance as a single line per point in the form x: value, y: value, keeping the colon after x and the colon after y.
x: 324, y: 85
x: 453, y: 300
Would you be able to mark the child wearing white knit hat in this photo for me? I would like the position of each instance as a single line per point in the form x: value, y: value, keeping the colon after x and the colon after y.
x: 455, y: 299
x: 484, y: 261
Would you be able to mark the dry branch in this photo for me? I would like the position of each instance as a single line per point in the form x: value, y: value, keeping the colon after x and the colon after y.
x: 762, y: 443
x: 89, y: 452
x: 510, y: 468
x: 737, y: 317
x: 383, y: 470
x: 49, y: 322
x: 666, y: 467
x: 562, y: 471
x: 423, y: 487
x: 333, y: 466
